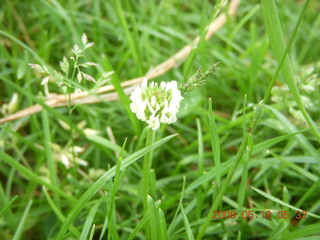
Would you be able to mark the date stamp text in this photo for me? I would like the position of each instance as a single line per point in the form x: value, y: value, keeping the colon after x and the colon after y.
x: 258, y: 214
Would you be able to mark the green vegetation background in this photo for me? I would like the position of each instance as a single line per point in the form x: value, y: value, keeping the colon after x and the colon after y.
x: 278, y: 170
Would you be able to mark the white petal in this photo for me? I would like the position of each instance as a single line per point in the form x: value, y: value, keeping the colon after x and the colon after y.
x: 84, y: 39
x: 150, y: 108
x: 157, y: 107
x: 164, y: 118
x: 81, y: 162
x: 172, y: 119
x: 154, y: 122
x: 136, y: 96
x: 78, y: 149
x: 140, y: 112
x: 173, y: 85
x: 144, y: 83
x: 133, y: 107
x: 164, y: 114
x: 162, y: 85
x: 153, y: 101
x: 65, y: 161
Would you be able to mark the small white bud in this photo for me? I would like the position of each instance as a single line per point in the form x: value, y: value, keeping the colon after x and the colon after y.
x: 87, y: 64
x: 88, y: 77
x: 89, y: 45
x: 35, y: 67
x: 65, y: 161
x: 79, y: 77
x: 89, y: 131
x: 13, y: 104
x: 84, y: 39
x: 39, y: 68
x: 77, y: 90
x: 76, y: 50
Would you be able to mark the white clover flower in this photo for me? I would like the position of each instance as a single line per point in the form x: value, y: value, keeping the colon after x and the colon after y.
x: 156, y: 104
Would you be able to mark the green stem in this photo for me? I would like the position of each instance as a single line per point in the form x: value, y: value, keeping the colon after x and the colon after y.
x: 75, y: 66
x: 71, y: 128
x: 146, y: 179
x: 146, y: 170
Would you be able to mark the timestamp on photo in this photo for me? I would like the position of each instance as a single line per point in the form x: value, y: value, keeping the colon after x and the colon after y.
x: 250, y: 214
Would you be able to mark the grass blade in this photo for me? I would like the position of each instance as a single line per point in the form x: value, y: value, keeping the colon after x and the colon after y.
x: 105, y: 143
x: 215, y: 143
x: 111, y: 213
x: 92, y: 232
x: 296, y: 168
x: 89, y: 220
x: 272, y: 198
x: 139, y: 226
x: 130, y: 38
x: 162, y: 225
x: 309, y: 148
x: 277, y: 231
x: 184, y: 216
x: 153, y: 219
x: 7, y: 206
x: 313, y: 189
x: 200, y: 195
x: 186, y: 224
x: 18, y: 233
x: 47, y: 148
x: 313, y: 229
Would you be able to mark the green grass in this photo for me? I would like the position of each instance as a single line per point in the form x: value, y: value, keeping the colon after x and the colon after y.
x: 228, y: 151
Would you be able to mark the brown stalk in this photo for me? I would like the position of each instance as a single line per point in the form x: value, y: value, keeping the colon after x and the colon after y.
x: 85, y: 98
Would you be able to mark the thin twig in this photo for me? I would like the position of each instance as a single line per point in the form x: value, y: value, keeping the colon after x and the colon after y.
x: 56, y: 100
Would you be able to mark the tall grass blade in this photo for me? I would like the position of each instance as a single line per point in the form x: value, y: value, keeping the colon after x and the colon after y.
x: 215, y: 143
x: 88, y: 223
x: 47, y: 148
x: 19, y: 230
x: 273, y: 28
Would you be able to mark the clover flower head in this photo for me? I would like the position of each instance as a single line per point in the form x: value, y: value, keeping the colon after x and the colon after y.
x: 155, y: 104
